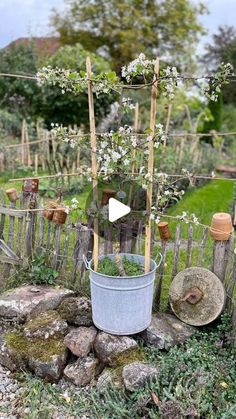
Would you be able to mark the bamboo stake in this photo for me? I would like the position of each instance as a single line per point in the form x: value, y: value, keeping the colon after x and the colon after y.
x: 29, y: 161
x: 136, y: 116
x: 36, y: 164
x: 93, y: 158
x: 150, y: 167
x: 168, y: 120
x: 22, y: 142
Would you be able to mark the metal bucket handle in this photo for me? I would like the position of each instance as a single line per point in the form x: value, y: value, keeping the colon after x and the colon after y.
x: 88, y: 263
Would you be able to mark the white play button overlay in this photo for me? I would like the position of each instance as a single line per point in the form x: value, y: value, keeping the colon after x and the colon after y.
x: 117, y: 210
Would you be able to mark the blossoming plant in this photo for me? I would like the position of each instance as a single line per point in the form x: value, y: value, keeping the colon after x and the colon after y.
x: 114, y: 150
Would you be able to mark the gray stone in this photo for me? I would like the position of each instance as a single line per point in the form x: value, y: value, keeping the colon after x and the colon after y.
x: 27, y: 301
x: 46, y: 325
x: 8, y: 357
x: 109, y: 378
x: 166, y: 331
x: 135, y: 375
x: 82, y: 372
x: 77, y: 311
x: 80, y: 341
x: 50, y: 368
x: 45, y: 357
x: 112, y: 350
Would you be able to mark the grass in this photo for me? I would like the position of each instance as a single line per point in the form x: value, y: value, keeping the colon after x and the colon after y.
x: 215, y: 196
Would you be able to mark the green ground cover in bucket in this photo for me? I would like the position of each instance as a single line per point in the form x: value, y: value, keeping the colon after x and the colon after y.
x: 108, y: 267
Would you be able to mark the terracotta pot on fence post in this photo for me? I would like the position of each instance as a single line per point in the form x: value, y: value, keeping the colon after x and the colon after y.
x: 164, y: 230
x: 106, y: 195
x: 59, y: 216
x: 221, y: 226
x: 12, y: 194
x: 30, y: 185
x: 47, y: 213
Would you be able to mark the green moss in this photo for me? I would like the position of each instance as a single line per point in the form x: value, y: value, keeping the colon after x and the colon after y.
x: 133, y: 355
x: 36, y: 348
x: 69, y: 310
x: 43, y: 319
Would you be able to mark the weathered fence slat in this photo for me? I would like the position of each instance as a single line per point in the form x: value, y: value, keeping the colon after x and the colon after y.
x: 218, y: 264
x: 41, y: 230
x: 66, y: 247
x: 176, y: 251
x: 10, y: 240
x: 2, y: 223
x: 202, y: 246
x: 56, y: 250
x: 108, y: 246
x: 82, y: 247
x: 189, y: 247
x: 157, y: 297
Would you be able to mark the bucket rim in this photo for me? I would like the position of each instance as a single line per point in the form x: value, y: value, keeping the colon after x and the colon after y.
x: 88, y: 266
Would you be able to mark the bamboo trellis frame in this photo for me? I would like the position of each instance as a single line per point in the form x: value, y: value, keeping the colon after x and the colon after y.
x: 150, y: 168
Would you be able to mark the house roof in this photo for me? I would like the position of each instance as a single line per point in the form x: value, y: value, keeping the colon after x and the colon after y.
x: 42, y: 45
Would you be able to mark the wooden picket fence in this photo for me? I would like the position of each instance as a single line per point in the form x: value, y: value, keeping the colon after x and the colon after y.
x: 24, y: 233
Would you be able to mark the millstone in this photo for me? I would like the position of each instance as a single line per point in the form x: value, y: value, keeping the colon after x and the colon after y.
x: 197, y: 296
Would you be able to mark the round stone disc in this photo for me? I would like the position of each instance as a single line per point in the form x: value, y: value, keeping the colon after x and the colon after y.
x: 210, y: 291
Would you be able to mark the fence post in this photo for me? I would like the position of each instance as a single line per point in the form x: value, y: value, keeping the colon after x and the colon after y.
x: 220, y: 258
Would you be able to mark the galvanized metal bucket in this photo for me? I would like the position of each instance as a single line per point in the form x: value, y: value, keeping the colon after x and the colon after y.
x: 122, y: 305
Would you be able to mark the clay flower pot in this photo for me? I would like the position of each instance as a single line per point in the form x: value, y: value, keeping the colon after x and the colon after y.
x: 30, y: 185
x: 59, y: 216
x: 47, y: 213
x: 106, y: 195
x: 164, y: 230
x: 221, y: 226
x: 12, y: 194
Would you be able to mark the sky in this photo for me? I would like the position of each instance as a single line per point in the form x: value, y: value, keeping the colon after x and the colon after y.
x: 20, y: 18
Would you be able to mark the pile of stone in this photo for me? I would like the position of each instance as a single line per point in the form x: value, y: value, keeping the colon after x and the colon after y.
x: 49, y: 331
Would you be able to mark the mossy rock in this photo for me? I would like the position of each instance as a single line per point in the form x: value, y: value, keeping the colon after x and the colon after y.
x: 76, y: 311
x: 37, y: 348
x: 46, y: 358
x: 45, y: 325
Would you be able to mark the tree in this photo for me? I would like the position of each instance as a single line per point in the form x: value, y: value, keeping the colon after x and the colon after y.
x: 122, y: 29
x: 68, y: 108
x: 223, y: 49
x: 17, y: 95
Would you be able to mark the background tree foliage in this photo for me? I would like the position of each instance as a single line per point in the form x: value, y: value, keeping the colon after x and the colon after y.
x: 222, y: 48
x: 123, y: 29
x: 25, y: 99
x: 17, y: 95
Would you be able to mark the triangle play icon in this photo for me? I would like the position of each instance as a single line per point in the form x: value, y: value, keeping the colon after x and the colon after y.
x: 117, y: 210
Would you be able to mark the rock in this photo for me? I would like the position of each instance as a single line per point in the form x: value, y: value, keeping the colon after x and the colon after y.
x: 166, y: 331
x: 135, y: 375
x: 45, y: 325
x: 80, y: 341
x: 51, y: 367
x: 109, y: 378
x: 8, y: 357
x: 82, y: 372
x: 115, y: 350
x: 77, y: 311
x: 28, y: 301
x: 45, y: 357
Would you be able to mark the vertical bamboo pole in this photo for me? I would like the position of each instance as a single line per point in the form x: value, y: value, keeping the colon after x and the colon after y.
x: 150, y: 166
x: 93, y: 158
x: 22, y: 142
x: 169, y: 110
x: 29, y: 161
x: 136, y: 116
x: 36, y: 164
